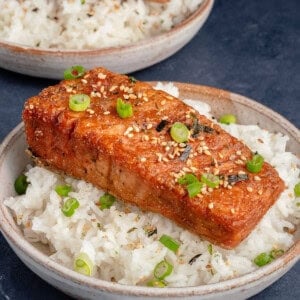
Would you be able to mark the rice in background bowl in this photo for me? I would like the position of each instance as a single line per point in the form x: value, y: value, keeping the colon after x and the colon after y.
x: 90, y: 25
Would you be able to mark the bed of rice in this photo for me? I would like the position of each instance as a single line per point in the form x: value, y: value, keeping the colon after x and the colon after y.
x: 115, y: 238
x: 94, y: 24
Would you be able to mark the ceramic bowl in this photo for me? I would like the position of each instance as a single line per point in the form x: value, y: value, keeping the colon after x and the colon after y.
x: 50, y: 63
x: 13, y: 160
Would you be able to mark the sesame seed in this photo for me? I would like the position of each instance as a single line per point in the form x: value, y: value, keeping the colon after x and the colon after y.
x: 122, y: 88
x: 243, y: 158
x: 257, y: 178
x: 260, y: 192
x: 241, y: 172
x: 143, y: 159
x: 145, y: 137
x: 205, y: 148
x: 169, y: 97
x: 130, y: 135
x: 90, y: 111
x: 112, y: 88
x: 165, y: 159
x: 220, y: 155
x: 139, y: 95
x: 163, y: 102
x: 206, y: 152
x: 101, y: 76
x: 210, y: 189
x: 125, y: 96
x: 149, y: 126
x: 232, y: 210
x: 132, y: 96
x: 239, y: 152
x: 167, y: 148
x: 84, y: 81
x: 211, y: 205
x: 106, y: 112
x: 229, y: 187
x: 249, y: 189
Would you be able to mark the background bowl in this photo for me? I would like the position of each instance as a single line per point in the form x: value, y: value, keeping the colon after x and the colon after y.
x: 50, y: 63
x: 13, y: 161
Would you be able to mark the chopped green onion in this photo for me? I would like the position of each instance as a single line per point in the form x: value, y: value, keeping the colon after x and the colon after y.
x: 156, y: 283
x: 79, y: 102
x: 179, y: 132
x: 106, y: 201
x: 82, y: 1
x: 169, y: 242
x: 63, y: 190
x: 192, y: 183
x: 74, y: 72
x: 132, y: 79
x: 124, y: 110
x: 210, y: 249
x: 276, y: 253
x: 21, y: 184
x: 227, y: 119
x: 187, y: 179
x: 297, y: 189
x: 262, y: 259
x: 69, y: 207
x: 194, y: 188
x: 162, y: 270
x: 255, y: 164
x: 210, y: 180
x: 83, y: 264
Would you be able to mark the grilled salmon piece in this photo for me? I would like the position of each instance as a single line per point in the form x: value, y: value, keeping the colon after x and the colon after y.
x: 137, y: 160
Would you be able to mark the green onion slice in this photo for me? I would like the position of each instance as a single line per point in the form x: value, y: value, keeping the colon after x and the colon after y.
x: 187, y: 179
x: 169, y: 242
x: 162, y: 270
x: 74, y: 72
x: 21, y: 184
x: 262, y: 259
x: 297, y: 189
x: 194, y: 188
x: 83, y: 264
x: 79, y: 102
x: 106, y: 201
x: 193, y: 185
x: 255, y: 164
x: 63, y: 190
x: 179, y: 132
x: 69, y: 207
x: 227, y: 119
x: 124, y: 109
x: 276, y: 253
x: 210, y: 180
x: 156, y: 283
x: 210, y: 249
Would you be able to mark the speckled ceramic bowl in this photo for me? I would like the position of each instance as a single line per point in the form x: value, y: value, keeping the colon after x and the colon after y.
x: 50, y: 63
x: 13, y: 161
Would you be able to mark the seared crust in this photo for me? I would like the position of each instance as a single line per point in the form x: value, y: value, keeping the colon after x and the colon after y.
x: 134, y: 161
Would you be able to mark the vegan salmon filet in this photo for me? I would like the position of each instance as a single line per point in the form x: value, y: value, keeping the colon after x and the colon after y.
x: 137, y: 160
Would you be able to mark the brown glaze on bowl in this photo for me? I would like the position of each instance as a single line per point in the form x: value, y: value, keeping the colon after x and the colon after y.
x: 13, y: 160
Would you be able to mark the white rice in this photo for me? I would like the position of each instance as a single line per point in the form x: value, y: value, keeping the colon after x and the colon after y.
x: 115, y: 238
x: 95, y: 24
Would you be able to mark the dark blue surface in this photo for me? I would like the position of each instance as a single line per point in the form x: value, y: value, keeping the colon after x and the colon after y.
x: 248, y: 47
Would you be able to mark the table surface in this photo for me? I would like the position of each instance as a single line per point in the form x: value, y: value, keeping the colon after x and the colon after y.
x: 247, y: 47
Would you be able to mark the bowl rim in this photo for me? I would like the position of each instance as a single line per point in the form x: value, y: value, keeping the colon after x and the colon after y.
x: 290, y: 257
x: 204, y: 8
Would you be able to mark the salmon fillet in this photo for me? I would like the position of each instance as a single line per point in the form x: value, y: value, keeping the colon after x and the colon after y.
x: 136, y: 159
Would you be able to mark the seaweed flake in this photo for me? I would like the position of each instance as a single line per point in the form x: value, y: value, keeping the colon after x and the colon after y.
x: 185, y: 154
x: 161, y: 125
x: 193, y: 259
x: 237, y: 177
x: 197, y: 128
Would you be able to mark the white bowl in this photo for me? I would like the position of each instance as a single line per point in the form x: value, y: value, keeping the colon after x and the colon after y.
x: 13, y: 160
x: 50, y: 63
